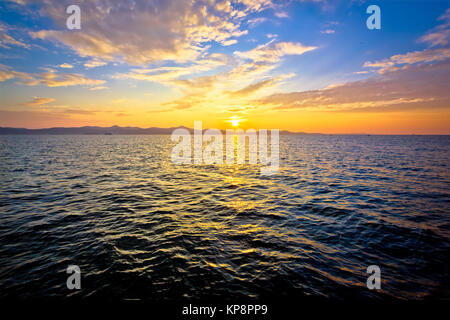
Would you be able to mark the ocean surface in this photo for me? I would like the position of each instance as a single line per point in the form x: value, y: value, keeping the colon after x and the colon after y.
x: 141, y: 227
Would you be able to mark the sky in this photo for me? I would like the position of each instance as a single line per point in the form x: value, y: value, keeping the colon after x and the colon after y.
x: 299, y: 65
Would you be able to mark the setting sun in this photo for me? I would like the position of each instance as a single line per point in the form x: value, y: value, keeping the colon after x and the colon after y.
x: 234, y: 120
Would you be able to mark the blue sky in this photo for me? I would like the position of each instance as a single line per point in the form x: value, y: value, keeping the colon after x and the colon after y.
x: 231, y: 60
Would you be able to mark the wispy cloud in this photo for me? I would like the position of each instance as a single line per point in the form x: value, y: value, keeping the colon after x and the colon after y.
x: 98, y: 88
x: 396, y: 61
x: 94, y: 63
x: 168, y: 74
x: 66, y: 66
x: 272, y: 52
x: 229, y: 42
x: 51, y: 78
x: 281, y: 14
x: 38, y: 101
x: 416, y: 87
x: 255, y: 21
x: 251, y: 88
x: 440, y: 35
x: 6, y: 40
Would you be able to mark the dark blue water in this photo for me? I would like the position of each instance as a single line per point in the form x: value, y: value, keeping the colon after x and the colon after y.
x: 141, y: 227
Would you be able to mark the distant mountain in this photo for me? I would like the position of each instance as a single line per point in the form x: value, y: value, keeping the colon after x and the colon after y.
x: 89, y: 130
x: 114, y: 130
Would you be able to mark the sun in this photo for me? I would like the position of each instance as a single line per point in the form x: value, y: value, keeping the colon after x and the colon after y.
x: 234, y: 120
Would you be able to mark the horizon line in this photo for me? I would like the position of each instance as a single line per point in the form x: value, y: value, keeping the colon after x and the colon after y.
x: 191, y: 129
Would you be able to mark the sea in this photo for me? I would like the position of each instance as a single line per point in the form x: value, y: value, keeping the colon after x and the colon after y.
x: 141, y: 227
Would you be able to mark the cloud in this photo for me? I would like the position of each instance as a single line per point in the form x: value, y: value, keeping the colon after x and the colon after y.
x: 171, y: 74
x: 256, y: 86
x: 272, y: 52
x: 329, y: 28
x: 255, y: 21
x: 94, y: 63
x: 77, y: 111
x: 50, y: 78
x: 229, y: 42
x: 142, y: 32
x: 422, y: 86
x: 38, y: 101
x: 6, y: 74
x: 199, y: 83
x: 255, y: 5
x: 440, y: 35
x: 247, y: 73
x: 281, y: 14
x: 7, y: 40
x: 253, y: 87
x: 66, y: 66
x: 98, y: 88
x: 424, y: 56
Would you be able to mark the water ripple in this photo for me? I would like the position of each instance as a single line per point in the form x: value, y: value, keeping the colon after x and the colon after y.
x: 140, y: 227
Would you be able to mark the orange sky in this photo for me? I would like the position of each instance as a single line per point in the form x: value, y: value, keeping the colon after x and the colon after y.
x: 226, y: 60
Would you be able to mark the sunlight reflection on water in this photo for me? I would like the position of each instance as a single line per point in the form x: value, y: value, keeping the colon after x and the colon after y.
x: 140, y: 226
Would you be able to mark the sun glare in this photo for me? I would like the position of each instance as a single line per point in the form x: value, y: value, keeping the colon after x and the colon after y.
x: 234, y: 120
